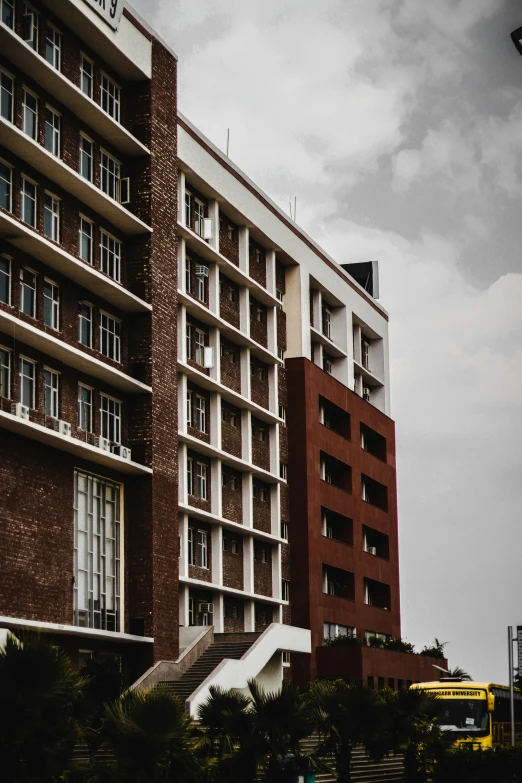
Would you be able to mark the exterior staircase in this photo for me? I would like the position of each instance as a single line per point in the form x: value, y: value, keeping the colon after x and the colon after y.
x: 203, y: 666
x: 389, y: 770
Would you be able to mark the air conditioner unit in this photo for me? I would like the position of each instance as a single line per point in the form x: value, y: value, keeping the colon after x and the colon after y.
x: 208, y: 357
x: 63, y: 427
x: 208, y: 228
x: 372, y: 550
x: 22, y: 411
x: 366, y: 393
x: 206, y: 608
x: 201, y: 270
x: 102, y: 443
x: 122, y: 451
x: 125, y: 190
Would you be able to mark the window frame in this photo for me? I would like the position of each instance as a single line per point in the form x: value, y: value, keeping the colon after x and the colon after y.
x: 34, y: 40
x: 189, y: 408
x: 110, y: 256
x: 55, y: 134
x: 110, y: 175
x: 199, y: 216
x: 90, y: 321
x: 202, y: 480
x: 202, y: 548
x: 190, y: 476
x: 89, y: 77
x: 82, y: 406
x: 3, y: 90
x: 115, y: 415
x: 86, y: 155
x: 26, y: 286
x: 116, y: 97
x: 201, y: 414
x: 9, y: 184
x: 88, y: 238
x: 199, y: 346
x: 23, y: 196
x: 5, y: 369
x: 8, y: 276
x: 106, y: 319
x: 56, y: 45
x: 32, y: 381
x: 55, y: 303
x: 53, y: 214
x: 54, y: 392
x: 9, y: 4
x: 27, y: 111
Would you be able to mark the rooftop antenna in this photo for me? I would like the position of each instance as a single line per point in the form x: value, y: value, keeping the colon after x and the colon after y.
x: 295, y: 207
x: 290, y: 205
x: 228, y: 139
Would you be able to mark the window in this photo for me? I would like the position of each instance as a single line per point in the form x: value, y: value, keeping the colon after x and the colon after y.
x: 327, y: 323
x: 262, y: 495
x: 27, y: 390
x: 6, y: 175
x: 86, y: 76
x: 188, y: 341
x: 30, y: 114
x: 188, y: 207
x: 283, y: 471
x: 282, y: 414
x: 200, y: 346
x: 85, y: 324
x: 52, y: 217
x: 233, y: 420
x: 284, y: 530
x: 7, y: 13
x: 85, y: 408
x: 327, y: 366
x: 6, y: 96
x: 189, y: 408
x: 190, y: 476
x: 85, y: 237
x: 97, y: 547
x: 264, y: 555
x: 51, y: 304
x: 201, y: 475
x: 52, y: 47
x: 280, y: 353
x: 52, y: 132
x: 279, y: 296
x: 188, y: 275
x: 51, y: 393
x: 230, y: 233
x: 259, y: 315
x: 110, y: 419
x: 110, y: 97
x: 202, y: 549
x: 259, y: 256
x: 28, y: 202
x: 110, y: 335
x: 234, y: 548
x: 5, y: 373
x: 5, y: 280
x: 285, y: 590
x: 365, y: 353
x: 30, y: 27
x: 201, y: 414
x: 110, y: 256
x: 28, y: 292
x: 199, y: 216
x: 231, y: 295
x: 200, y: 286
x: 86, y: 158
x: 191, y: 611
x: 109, y: 175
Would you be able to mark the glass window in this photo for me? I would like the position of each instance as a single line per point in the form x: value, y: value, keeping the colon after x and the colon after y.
x: 189, y: 408
x: 97, y: 547
x: 6, y: 175
x: 30, y: 27
x: 51, y: 393
x: 201, y: 474
x: 188, y: 275
x: 109, y: 175
x: 110, y: 333
x: 188, y: 341
x: 27, y: 396
x: 28, y: 292
x: 199, y: 216
x: 285, y: 590
x: 85, y: 324
x: 6, y: 96
x: 202, y: 561
x: 5, y: 373
x: 30, y: 114
x: 200, y: 287
x: 110, y: 97
x: 7, y: 13
x: 86, y: 232
x: 52, y: 217
x: 201, y: 414
x: 51, y: 304
x: 284, y: 530
x: 5, y: 280
x: 85, y: 408
x: 28, y: 202
x: 190, y: 547
x: 110, y: 256
x: 110, y: 419
x: 188, y: 208
x: 86, y: 157
x: 52, y: 47
x: 86, y: 76
x: 190, y: 476
x: 200, y: 347
x: 52, y: 132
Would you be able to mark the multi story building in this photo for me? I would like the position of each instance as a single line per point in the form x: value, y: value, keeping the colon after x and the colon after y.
x: 189, y: 386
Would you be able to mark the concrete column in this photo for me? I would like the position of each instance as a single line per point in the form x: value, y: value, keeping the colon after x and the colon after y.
x: 183, y: 535
x: 215, y: 342
x: 273, y: 396
x: 276, y: 571
x: 182, y: 254
x: 248, y: 564
x: 213, y: 213
x: 274, y: 448
x: 271, y: 271
x: 278, y: 614
x: 248, y: 511
x: 317, y: 356
x: 182, y: 402
x: 217, y: 555
x: 216, y: 488
x: 184, y: 605
x: 250, y: 616
x: 297, y: 308
x: 181, y: 197
x: 317, y: 307
x: 357, y: 344
x: 244, y: 310
x: 246, y: 435
x: 182, y: 333
x: 275, y: 509
x: 271, y: 324
x: 213, y: 288
x: 243, y: 249
x: 182, y: 473
x: 219, y: 613
x: 215, y: 419
x: 244, y: 358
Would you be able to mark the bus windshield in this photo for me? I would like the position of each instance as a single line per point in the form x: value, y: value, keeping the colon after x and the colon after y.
x: 464, y: 716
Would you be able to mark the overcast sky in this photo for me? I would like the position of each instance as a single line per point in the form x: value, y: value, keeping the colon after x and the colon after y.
x: 397, y: 124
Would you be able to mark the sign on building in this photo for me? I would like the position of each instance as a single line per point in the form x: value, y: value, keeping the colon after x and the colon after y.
x: 519, y: 649
x: 109, y: 10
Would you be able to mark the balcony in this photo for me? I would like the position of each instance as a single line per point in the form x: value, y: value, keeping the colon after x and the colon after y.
x: 373, y: 443
x: 375, y: 543
x: 377, y: 594
x: 29, y: 241
x: 338, y: 582
x: 55, y: 169
x: 334, y: 418
x: 211, y: 255
x: 69, y: 355
x: 337, y: 527
x: 334, y: 350
x: 228, y: 524
x: 374, y: 493
x: 228, y: 459
x: 335, y: 472
x: 232, y: 591
x: 52, y: 81
x: 74, y: 446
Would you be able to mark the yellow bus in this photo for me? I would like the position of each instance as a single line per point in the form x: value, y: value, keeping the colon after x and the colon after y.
x: 476, y: 712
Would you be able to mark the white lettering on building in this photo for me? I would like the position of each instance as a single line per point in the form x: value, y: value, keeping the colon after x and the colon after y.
x: 109, y: 10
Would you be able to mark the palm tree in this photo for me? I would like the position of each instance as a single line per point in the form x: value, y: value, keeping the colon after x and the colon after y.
x: 458, y: 672
x: 349, y: 715
x: 151, y: 738
x: 39, y: 693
